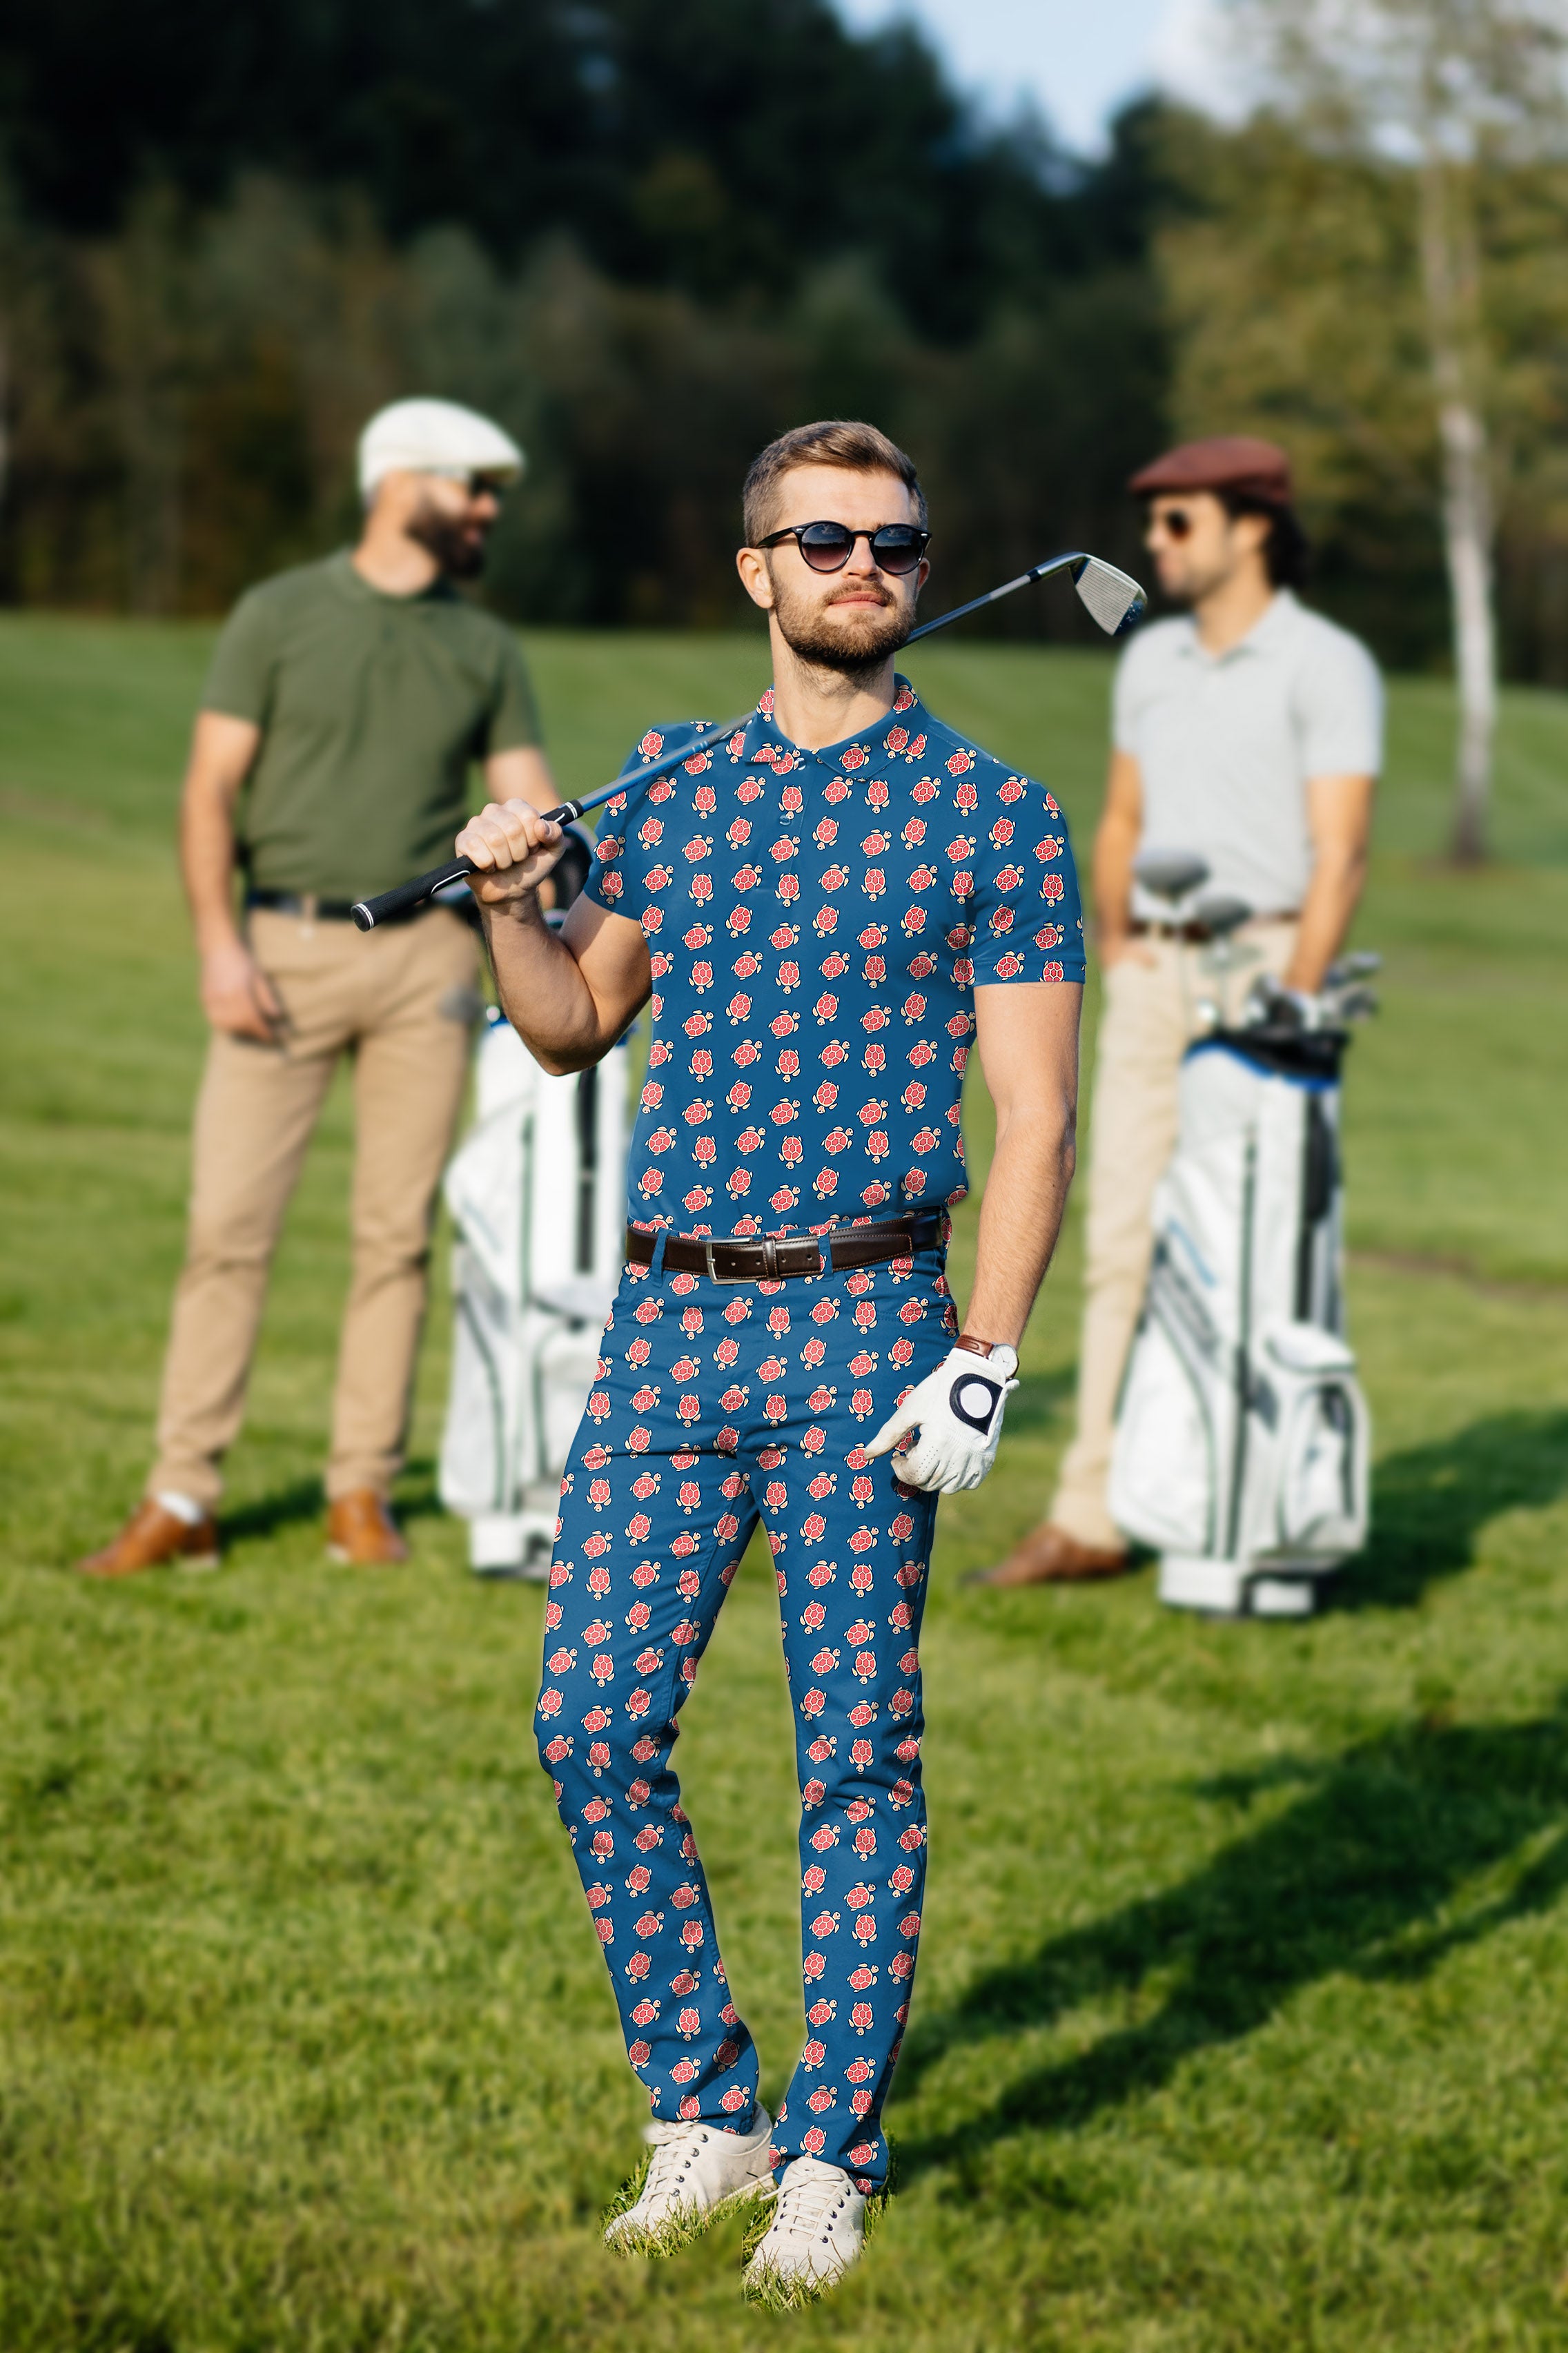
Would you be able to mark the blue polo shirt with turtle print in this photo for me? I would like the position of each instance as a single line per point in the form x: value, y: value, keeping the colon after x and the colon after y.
x: 819, y: 922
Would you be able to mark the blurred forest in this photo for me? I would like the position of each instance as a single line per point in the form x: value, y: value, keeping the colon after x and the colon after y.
x: 647, y: 234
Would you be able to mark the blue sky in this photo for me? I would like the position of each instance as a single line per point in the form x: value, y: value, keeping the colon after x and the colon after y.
x: 1077, y: 60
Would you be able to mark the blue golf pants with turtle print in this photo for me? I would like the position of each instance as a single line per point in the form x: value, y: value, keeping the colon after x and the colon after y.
x: 717, y: 1405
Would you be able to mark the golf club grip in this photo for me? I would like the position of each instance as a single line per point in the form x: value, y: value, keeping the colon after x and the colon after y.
x: 368, y: 913
x: 409, y: 895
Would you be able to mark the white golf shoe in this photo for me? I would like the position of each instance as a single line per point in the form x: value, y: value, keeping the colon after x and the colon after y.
x: 694, y: 2171
x: 817, y: 2229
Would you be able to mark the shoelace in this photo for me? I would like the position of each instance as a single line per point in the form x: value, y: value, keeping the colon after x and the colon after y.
x: 808, y: 2209
x: 674, y: 2148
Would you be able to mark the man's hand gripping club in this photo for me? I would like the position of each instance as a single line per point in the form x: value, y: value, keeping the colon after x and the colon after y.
x: 957, y: 1411
x: 568, y: 994
x: 513, y: 847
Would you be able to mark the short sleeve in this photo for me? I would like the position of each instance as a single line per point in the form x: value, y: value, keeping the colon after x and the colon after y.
x: 626, y: 845
x: 1340, y: 708
x: 631, y: 863
x: 1026, y: 920
x: 514, y: 715
x: 1124, y: 700
x: 241, y: 676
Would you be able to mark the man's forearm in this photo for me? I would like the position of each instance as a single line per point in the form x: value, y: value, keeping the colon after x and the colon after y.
x: 1116, y: 839
x: 206, y: 865
x: 1020, y: 1218
x: 542, y: 992
x: 1115, y: 846
x: 1333, y: 896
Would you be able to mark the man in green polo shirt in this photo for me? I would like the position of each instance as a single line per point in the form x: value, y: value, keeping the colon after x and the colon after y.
x: 331, y: 757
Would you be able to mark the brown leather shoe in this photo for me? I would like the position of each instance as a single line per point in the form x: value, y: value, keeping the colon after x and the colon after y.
x: 1048, y: 1556
x: 151, y: 1538
x: 362, y: 1531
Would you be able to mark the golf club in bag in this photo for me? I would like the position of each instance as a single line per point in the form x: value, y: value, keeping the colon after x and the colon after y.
x: 1111, y: 597
x: 1242, y: 1439
x: 537, y: 1192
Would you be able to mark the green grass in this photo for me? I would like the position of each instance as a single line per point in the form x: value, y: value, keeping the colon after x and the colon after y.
x: 1239, y: 2026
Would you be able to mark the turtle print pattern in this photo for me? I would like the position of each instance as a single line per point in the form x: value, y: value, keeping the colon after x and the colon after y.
x: 717, y: 1405
x: 817, y: 923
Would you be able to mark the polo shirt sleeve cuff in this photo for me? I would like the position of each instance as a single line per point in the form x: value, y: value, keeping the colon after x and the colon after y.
x: 1031, y: 964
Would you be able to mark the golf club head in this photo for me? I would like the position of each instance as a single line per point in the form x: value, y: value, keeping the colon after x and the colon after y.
x: 1270, y: 1005
x: 1171, y: 873
x: 1359, y: 967
x: 1222, y: 914
x: 1112, y: 598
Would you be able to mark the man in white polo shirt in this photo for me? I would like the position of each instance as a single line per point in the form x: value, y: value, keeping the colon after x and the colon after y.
x: 1250, y: 732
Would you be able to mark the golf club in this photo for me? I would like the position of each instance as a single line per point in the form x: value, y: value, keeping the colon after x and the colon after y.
x: 1170, y: 873
x: 1271, y: 1006
x: 1112, y: 598
x: 368, y: 913
x: 1173, y: 875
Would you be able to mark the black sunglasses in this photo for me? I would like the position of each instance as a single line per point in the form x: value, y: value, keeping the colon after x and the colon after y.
x: 476, y: 482
x: 1176, y: 522
x: 895, y: 547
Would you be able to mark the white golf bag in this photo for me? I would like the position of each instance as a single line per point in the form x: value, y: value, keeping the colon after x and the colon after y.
x: 1242, y: 1440
x: 537, y: 1190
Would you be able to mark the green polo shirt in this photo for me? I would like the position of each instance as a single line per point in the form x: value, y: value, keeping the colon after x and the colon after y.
x: 371, y: 709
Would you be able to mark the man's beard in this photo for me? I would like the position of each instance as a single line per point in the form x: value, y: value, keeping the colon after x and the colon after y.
x: 854, y: 644
x: 1196, y: 584
x: 459, y: 554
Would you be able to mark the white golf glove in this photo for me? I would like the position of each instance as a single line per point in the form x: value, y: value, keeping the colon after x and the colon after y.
x: 958, y: 1411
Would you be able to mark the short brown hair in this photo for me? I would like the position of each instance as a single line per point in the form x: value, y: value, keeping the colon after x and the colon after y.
x: 833, y: 441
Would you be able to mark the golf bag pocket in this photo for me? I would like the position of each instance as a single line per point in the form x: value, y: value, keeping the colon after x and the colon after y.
x: 1309, y: 1423
x: 537, y: 1191
x: 1165, y: 1472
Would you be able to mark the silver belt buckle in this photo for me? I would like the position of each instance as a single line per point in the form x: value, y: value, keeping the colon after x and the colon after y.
x: 728, y: 1241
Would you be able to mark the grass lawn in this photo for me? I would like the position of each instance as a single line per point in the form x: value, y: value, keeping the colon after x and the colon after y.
x: 1240, y: 2020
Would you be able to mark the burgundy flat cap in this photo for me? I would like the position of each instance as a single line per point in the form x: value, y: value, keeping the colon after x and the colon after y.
x: 1228, y: 461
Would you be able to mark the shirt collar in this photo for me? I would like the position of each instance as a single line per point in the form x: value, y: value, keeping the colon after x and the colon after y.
x: 352, y: 584
x: 1271, y: 624
x: 763, y: 741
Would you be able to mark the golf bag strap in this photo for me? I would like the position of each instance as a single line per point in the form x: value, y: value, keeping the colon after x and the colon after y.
x: 767, y: 1257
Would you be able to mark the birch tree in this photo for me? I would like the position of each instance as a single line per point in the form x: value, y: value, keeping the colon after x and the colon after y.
x: 1442, y: 94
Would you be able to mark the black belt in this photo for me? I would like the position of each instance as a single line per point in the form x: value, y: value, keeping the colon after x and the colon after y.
x: 737, y: 1257
x: 1197, y: 934
x: 312, y: 909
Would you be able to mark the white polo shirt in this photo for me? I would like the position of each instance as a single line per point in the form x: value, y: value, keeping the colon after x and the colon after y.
x: 1225, y: 743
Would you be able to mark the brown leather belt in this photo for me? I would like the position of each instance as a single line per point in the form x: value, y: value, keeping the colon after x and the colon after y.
x: 1199, y: 935
x: 734, y: 1257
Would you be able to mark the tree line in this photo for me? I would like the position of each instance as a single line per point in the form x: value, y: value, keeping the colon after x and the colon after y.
x: 649, y: 234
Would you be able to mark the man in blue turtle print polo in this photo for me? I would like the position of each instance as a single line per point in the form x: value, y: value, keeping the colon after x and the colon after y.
x: 823, y: 914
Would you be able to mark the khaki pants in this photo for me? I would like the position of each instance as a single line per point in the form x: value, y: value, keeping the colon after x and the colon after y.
x: 380, y: 999
x: 1148, y: 1019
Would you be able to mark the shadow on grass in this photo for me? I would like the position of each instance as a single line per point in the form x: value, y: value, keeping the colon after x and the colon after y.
x: 418, y: 1497
x: 1430, y: 1503
x: 305, y: 1499
x: 1363, y: 1873
x: 302, y: 1499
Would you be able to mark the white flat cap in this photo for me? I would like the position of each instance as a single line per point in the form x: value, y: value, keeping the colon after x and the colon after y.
x: 435, y: 437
